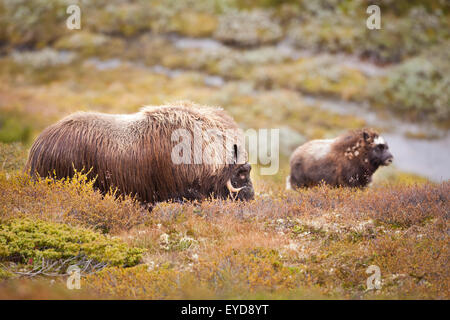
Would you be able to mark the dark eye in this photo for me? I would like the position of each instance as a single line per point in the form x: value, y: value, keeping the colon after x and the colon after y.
x: 380, y: 147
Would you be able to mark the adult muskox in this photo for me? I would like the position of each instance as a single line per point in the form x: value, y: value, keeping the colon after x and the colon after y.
x: 170, y: 152
x: 349, y: 160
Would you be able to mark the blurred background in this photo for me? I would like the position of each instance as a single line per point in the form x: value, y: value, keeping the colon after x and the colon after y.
x: 310, y: 68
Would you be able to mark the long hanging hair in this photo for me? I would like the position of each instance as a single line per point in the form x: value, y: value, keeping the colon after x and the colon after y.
x: 133, y: 152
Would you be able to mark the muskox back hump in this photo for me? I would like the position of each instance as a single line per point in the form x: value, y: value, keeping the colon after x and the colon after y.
x: 311, y: 163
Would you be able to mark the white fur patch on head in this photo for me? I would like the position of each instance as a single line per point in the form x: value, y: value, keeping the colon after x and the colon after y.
x: 320, y: 148
x: 379, y: 140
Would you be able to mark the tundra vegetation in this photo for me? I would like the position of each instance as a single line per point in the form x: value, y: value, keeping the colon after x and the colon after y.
x: 316, y: 243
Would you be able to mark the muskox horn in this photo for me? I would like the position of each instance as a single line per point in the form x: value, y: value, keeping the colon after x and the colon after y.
x: 231, y: 188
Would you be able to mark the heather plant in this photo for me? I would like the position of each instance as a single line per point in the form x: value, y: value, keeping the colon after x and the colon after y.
x: 71, y: 200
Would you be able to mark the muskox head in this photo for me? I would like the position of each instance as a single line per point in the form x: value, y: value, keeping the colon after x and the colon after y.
x: 378, y: 154
x: 239, y: 186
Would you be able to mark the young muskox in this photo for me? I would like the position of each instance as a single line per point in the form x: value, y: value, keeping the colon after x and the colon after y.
x: 157, y: 154
x: 349, y: 160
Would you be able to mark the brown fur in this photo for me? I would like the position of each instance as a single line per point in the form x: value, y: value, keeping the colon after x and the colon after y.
x: 133, y: 152
x: 344, y: 161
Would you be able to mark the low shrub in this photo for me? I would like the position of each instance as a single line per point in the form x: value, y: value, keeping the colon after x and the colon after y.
x: 72, y: 200
x: 417, y: 88
x: 48, y: 246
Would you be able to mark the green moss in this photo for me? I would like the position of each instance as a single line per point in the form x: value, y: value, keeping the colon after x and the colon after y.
x: 33, y: 241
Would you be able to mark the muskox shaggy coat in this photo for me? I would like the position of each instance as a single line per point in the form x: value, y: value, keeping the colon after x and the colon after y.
x: 133, y: 153
x: 349, y: 160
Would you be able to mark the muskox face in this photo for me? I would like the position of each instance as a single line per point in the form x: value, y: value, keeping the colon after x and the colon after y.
x: 379, y: 154
x: 240, y: 185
